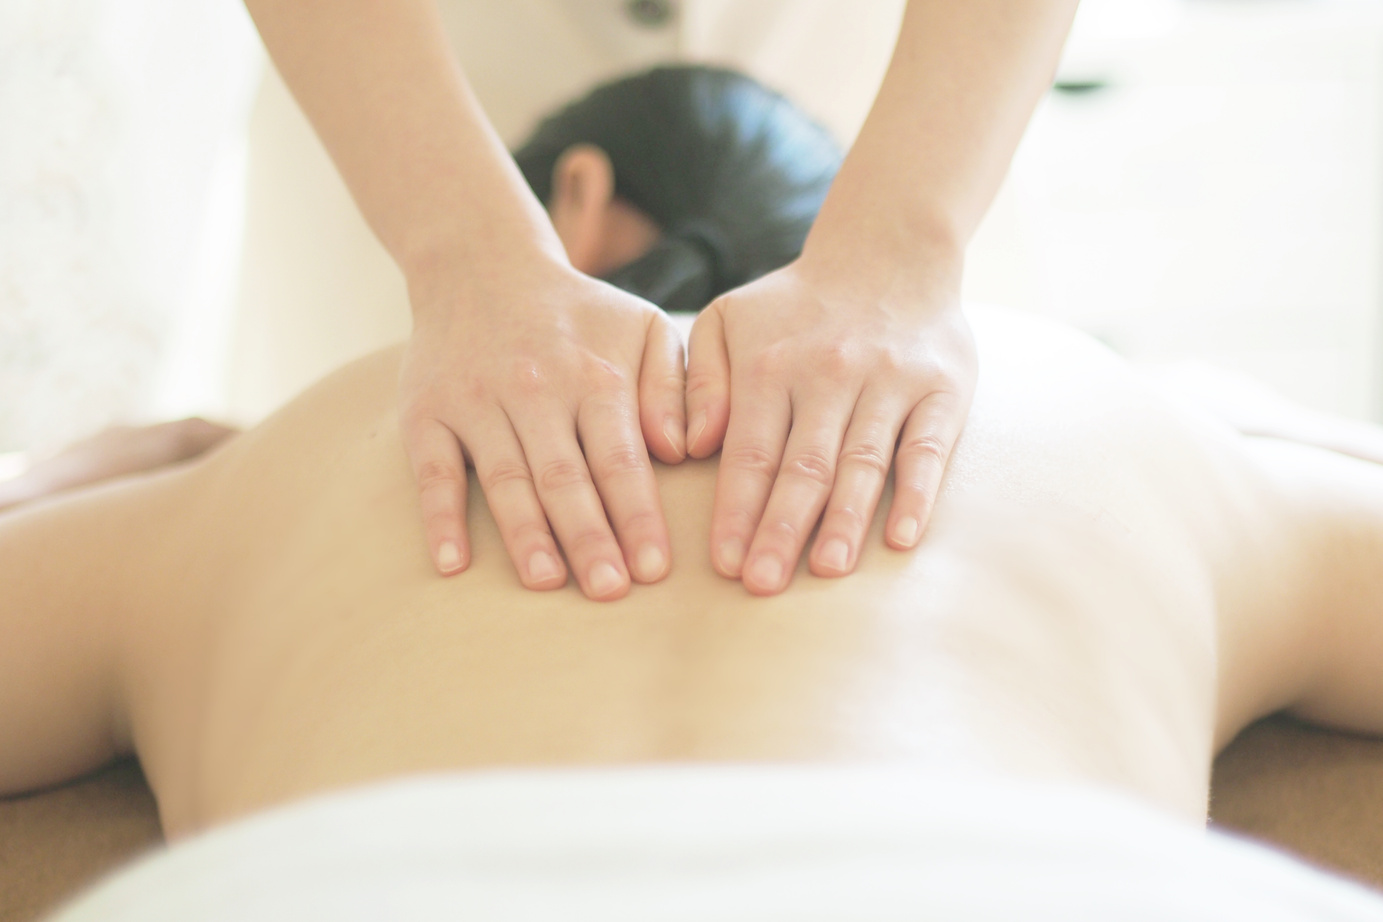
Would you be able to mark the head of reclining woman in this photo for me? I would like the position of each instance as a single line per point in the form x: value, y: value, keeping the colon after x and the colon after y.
x: 675, y: 184
x: 681, y: 183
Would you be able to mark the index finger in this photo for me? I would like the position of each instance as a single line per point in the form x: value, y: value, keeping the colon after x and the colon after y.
x: 623, y: 475
x: 760, y: 415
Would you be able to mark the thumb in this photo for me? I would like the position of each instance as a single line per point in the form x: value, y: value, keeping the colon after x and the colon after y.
x: 708, y: 384
x: 662, y: 389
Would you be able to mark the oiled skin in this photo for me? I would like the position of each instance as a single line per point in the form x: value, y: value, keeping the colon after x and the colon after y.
x: 1109, y: 590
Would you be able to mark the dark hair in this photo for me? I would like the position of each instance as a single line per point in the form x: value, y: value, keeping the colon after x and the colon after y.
x: 732, y: 172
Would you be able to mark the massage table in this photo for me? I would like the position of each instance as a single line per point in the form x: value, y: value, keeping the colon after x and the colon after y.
x: 1313, y: 792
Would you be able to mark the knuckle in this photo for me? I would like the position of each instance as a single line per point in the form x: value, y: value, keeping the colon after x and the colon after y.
x: 890, y: 361
x: 751, y: 459
x: 782, y: 532
x: 475, y: 392
x: 618, y: 461
x: 560, y: 474
x: 772, y: 362
x: 503, y: 474
x: 813, y: 464
x: 835, y: 361
x: 926, y: 448
x: 434, y: 475
x: 528, y: 375
x: 871, y: 456
x: 436, y: 405
x: 737, y: 522
x: 604, y: 376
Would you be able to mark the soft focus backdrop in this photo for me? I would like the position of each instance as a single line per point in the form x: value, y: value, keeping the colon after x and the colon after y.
x: 120, y: 125
x: 1207, y: 182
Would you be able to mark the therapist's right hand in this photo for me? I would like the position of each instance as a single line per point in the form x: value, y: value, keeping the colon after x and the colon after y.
x: 554, y: 386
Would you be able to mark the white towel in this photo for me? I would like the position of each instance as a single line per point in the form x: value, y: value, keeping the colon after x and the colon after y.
x: 725, y: 843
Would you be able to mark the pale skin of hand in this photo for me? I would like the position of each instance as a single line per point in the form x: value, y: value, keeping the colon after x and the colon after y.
x: 570, y: 370
x: 554, y: 385
x: 484, y: 266
x: 838, y: 382
x: 816, y: 379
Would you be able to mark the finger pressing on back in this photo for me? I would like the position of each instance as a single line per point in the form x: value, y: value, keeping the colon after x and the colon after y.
x: 623, y: 475
x: 749, y: 464
x: 503, y: 472
x: 924, y: 449
x: 805, y: 480
x: 564, y: 487
x: 708, y: 384
x: 440, y: 471
x: 865, y: 459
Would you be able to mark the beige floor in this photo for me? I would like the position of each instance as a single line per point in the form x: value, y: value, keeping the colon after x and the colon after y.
x: 1314, y: 792
x: 51, y: 844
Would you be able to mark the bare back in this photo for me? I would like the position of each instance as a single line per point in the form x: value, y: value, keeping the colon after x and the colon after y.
x: 1080, y: 608
x: 1058, y: 619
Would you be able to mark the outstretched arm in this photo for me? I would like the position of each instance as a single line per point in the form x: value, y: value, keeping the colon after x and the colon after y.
x: 554, y: 385
x: 820, y: 377
x: 60, y: 603
x: 69, y: 568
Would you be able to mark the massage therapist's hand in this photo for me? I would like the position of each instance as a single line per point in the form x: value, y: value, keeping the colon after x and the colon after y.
x: 539, y: 374
x: 818, y: 378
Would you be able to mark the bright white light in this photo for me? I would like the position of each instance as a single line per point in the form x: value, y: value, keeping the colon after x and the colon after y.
x: 12, y: 465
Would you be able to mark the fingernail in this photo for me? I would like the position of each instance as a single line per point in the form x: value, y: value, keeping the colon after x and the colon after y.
x: 905, y: 532
x: 698, y: 426
x: 650, y: 564
x: 674, y: 434
x: 542, y: 567
x: 835, y: 555
x: 767, y: 572
x: 731, y: 555
x: 605, y: 579
x: 448, y: 558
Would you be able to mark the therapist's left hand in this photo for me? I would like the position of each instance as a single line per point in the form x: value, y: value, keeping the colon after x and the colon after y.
x: 814, y: 381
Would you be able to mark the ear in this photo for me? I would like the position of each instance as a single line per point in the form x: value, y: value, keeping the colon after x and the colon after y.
x: 583, y: 186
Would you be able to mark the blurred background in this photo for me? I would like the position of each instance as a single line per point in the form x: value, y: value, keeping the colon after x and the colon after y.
x: 1210, y: 185
x: 1205, y: 182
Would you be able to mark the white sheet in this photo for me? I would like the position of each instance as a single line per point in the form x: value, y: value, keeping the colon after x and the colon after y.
x: 719, y: 843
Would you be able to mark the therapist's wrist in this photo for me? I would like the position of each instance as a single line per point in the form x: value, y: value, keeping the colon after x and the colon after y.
x: 888, y: 259
x: 466, y: 274
x: 471, y: 232
x: 875, y: 201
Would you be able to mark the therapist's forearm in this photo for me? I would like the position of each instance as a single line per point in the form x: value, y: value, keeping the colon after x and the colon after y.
x: 962, y: 85
x: 383, y: 89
